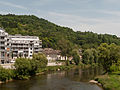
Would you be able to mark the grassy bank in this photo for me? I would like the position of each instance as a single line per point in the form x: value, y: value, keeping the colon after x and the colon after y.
x: 110, y: 81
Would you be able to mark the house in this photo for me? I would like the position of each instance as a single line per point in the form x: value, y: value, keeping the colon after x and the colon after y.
x: 52, y: 54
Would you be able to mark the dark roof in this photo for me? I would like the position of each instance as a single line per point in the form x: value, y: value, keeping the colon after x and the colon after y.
x: 49, y: 51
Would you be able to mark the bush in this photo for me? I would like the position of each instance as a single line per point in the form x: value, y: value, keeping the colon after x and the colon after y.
x: 67, y: 62
x: 41, y: 60
x: 76, y: 58
x: 5, y: 74
x: 22, y: 67
x: 114, y: 68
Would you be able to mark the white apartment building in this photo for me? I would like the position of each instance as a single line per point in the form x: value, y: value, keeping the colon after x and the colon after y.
x: 14, y: 46
x: 4, y: 47
x: 24, y: 46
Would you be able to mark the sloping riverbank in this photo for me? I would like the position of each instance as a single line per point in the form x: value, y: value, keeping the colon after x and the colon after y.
x: 109, y: 81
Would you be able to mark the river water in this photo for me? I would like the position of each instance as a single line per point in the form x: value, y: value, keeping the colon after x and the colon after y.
x: 75, y: 79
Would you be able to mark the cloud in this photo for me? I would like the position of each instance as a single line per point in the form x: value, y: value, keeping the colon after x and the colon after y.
x: 111, y: 1
x: 115, y: 13
x: 79, y: 23
x: 12, y: 5
x: 41, y: 2
x: 78, y: 1
x: 76, y: 18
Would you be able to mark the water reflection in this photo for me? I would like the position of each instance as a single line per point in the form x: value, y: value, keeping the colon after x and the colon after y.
x: 65, y: 80
x: 84, y: 75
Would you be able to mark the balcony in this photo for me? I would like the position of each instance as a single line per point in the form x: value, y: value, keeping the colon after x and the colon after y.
x: 2, y: 40
x: 2, y: 45
x: 2, y: 50
x: 20, y: 49
x: 19, y: 46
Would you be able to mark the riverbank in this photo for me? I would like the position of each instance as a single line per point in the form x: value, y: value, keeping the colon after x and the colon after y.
x: 72, y: 79
x: 7, y: 77
x: 110, y: 81
x: 54, y: 68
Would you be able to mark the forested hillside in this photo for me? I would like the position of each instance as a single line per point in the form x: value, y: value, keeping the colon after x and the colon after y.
x: 51, y: 34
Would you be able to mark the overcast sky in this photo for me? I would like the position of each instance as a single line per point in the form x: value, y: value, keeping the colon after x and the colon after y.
x: 100, y: 16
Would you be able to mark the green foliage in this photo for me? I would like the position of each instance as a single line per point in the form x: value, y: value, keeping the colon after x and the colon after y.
x: 67, y: 62
x: 24, y: 68
x: 5, y: 74
x: 109, y: 55
x: 109, y: 82
x: 40, y: 59
x: 76, y: 58
x: 114, y: 68
x: 90, y: 56
x: 66, y: 47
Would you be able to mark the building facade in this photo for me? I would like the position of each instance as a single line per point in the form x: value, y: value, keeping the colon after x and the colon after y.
x: 53, y: 55
x: 4, y: 47
x: 14, y: 46
x: 24, y: 46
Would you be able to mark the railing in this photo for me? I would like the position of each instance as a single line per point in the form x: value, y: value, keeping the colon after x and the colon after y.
x: 2, y: 49
x: 20, y: 49
x: 2, y: 39
x: 19, y: 46
x: 2, y: 44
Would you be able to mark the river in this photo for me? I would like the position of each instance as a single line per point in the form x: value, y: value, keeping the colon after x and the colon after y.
x: 75, y: 79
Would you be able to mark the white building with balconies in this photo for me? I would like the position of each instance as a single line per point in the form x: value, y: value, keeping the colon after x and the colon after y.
x: 14, y: 46
x: 4, y: 47
x: 24, y: 46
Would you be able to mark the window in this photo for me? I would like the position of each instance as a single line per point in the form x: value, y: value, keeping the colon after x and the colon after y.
x: 2, y: 37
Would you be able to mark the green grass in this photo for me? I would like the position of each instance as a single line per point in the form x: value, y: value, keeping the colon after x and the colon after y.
x: 110, y: 81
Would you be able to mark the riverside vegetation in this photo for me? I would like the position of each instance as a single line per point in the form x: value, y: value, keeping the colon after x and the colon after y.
x: 25, y: 68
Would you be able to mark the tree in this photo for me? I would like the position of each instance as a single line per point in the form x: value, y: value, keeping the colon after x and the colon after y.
x: 76, y: 58
x: 22, y: 68
x: 109, y: 55
x: 88, y: 57
x: 66, y: 47
x: 40, y: 59
x: 95, y: 54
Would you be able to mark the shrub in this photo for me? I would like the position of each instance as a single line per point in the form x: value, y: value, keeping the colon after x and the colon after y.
x: 5, y: 74
x: 22, y: 67
x: 114, y: 68
x: 41, y: 60
x: 67, y: 62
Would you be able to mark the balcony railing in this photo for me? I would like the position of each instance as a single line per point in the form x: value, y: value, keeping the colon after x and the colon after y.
x: 2, y: 39
x: 19, y: 46
x: 20, y: 49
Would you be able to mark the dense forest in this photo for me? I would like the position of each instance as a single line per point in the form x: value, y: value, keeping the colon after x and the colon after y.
x: 51, y: 34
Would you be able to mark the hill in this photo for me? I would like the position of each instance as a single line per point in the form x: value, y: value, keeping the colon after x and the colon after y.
x: 51, y: 33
